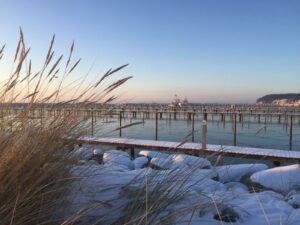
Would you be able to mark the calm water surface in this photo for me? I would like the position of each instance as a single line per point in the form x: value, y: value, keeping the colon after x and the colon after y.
x: 250, y: 133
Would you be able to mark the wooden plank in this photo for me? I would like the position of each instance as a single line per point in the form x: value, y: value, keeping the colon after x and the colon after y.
x: 234, y: 151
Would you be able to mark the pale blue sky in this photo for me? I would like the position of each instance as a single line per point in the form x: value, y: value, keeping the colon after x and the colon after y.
x: 207, y: 50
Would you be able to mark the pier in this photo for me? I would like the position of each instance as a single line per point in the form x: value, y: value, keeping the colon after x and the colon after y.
x: 289, y: 116
x: 275, y: 156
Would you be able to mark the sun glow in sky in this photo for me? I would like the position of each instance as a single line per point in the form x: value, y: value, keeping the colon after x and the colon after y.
x: 207, y: 50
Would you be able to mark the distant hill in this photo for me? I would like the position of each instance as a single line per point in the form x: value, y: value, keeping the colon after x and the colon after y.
x: 280, y: 99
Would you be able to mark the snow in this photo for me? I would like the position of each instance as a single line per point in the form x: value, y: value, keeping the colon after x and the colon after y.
x: 173, y: 161
x: 100, y: 184
x: 230, y: 173
x: 117, y: 158
x: 204, y: 191
x: 236, y: 187
x: 139, y: 143
x: 191, y: 161
x: 294, y: 218
x: 265, y: 207
x: 153, y: 154
x: 282, y: 179
x: 97, y: 151
x: 166, y: 164
x: 140, y: 162
x: 83, y: 152
x: 293, y: 198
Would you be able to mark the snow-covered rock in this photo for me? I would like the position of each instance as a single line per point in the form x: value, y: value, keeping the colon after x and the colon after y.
x: 230, y: 173
x: 83, y: 152
x: 283, y: 179
x: 166, y: 163
x: 205, y: 173
x: 88, y: 162
x: 191, y: 161
x: 140, y: 162
x: 174, y: 161
x: 98, y: 151
x: 212, y: 188
x: 294, y: 218
x: 116, y: 158
x: 266, y: 207
x: 100, y: 190
x: 114, y: 185
x: 153, y: 154
x: 236, y: 187
x: 293, y: 198
x: 244, y: 209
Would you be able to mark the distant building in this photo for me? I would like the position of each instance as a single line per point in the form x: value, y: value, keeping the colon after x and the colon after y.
x: 286, y: 102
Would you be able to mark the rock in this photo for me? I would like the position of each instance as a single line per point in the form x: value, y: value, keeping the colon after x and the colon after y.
x: 293, y: 198
x: 212, y: 188
x: 98, y: 151
x: 236, y: 187
x: 97, y: 155
x: 266, y: 207
x: 252, y: 186
x: 205, y: 173
x: 282, y: 179
x: 83, y: 152
x: 140, y: 162
x: 294, y: 218
x: 97, y: 158
x: 99, y: 184
x: 227, y: 215
x: 230, y: 173
x: 153, y: 154
x: 116, y: 158
x: 82, y: 162
x: 191, y: 161
x: 166, y: 164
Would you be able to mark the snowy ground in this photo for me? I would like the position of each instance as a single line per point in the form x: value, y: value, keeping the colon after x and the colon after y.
x: 181, y: 189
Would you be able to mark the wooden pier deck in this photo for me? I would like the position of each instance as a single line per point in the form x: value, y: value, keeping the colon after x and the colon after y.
x: 273, y: 155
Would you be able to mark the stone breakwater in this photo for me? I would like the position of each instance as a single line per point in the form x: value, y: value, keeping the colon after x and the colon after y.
x: 181, y: 189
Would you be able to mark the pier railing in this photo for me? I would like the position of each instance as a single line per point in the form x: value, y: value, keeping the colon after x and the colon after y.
x: 261, y: 114
x: 277, y: 157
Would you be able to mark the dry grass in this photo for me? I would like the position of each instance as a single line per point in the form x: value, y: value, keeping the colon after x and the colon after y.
x: 34, y: 157
x: 35, y: 160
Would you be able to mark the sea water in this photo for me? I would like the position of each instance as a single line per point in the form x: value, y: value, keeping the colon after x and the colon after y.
x: 271, y: 135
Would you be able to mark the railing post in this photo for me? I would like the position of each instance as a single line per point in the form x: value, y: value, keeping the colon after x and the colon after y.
x: 234, y: 130
x: 291, y: 133
x: 132, y: 153
x: 156, y: 125
x: 193, y: 126
x: 92, y: 123
x: 205, y: 115
x: 204, y: 134
x: 120, y: 124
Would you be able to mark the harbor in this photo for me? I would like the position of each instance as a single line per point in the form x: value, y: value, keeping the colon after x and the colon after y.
x: 262, y: 126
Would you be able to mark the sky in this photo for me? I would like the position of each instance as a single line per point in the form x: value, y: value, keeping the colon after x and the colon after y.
x: 225, y: 51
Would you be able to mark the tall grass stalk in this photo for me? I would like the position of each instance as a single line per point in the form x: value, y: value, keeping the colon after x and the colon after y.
x: 34, y: 157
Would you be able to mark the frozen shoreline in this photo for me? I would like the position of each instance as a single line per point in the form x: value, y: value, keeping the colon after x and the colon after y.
x: 189, y: 189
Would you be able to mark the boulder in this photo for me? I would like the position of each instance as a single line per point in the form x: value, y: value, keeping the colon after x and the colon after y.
x: 166, y: 164
x: 282, y: 179
x: 191, y: 161
x: 234, y: 173
x: 116, y: 158
x: 153, y: 154
x: 293, y: 198
x: 140, y: 162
